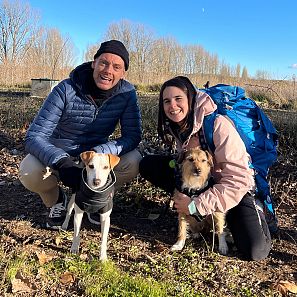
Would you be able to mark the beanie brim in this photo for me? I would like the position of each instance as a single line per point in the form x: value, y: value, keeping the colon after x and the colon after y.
x: 114, y: 47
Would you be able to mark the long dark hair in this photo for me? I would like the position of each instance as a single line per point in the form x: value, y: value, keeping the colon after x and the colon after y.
x: 164, y: 123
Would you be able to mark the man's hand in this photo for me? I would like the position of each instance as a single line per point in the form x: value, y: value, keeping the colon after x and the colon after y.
x: 181, y: 202
x: 69, y: 172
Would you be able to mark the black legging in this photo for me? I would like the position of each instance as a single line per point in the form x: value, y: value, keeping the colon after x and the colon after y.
x: 246, y: 223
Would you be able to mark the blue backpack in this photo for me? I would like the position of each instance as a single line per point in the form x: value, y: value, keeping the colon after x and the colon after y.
x: 257, y: 133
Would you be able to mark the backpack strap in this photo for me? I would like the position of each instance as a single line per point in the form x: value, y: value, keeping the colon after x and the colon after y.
x: 208, y: 125
x: 202, y: 140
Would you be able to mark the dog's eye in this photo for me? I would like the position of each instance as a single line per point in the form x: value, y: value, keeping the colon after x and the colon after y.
x: 105, y: 167
x: 191, y: 159
x: 91, y: 166
x: 204, y: 160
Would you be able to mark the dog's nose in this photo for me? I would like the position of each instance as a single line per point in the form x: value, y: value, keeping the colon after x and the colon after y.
x: 197, y: 171
x: 96, y: 181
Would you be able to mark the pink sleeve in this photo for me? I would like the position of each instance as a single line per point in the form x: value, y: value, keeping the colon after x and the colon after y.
x: 231, y: 171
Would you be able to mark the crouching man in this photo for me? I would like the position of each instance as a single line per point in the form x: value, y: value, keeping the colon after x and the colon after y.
x: 80, y: 114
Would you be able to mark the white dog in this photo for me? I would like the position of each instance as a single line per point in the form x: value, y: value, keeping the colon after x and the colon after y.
x: 95, y: 194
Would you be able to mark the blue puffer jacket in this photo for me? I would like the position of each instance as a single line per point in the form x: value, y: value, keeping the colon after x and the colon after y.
x: 69, y: 122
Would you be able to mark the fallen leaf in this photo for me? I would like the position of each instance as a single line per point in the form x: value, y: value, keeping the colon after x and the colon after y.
x: 85, y: 257
x: 37, y: 242
x: 43, y: 257
x: 127, y: 237
x: 291, y: 287
x: 58, y: 240
x: 21, y: 284
x: 151, y: 259
x: 67, y: 278
x: 41, y: 271
x: 284, y: 287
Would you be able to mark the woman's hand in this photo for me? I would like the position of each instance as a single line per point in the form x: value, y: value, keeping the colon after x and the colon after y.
x: 181, y: 202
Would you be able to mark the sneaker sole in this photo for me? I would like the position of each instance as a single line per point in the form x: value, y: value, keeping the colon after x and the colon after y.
x: 48, y: 226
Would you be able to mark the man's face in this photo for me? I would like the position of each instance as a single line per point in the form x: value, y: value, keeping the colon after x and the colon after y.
x: 108, y: 70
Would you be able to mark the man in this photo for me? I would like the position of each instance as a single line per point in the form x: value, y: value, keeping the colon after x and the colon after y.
x: 80, y: 114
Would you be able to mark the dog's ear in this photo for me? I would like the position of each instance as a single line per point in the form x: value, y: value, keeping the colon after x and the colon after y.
x: 86, y: 156
x: 113, y: 160
x: 209, y: 158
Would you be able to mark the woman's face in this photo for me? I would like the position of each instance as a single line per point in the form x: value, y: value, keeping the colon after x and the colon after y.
x: 175, y: 104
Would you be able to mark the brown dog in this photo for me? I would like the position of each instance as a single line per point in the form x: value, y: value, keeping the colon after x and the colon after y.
x: 195, y: 174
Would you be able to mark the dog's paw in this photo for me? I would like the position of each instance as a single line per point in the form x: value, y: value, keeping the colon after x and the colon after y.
x: 178, y: 246
x: 103, y: 258
x: 74, y: 249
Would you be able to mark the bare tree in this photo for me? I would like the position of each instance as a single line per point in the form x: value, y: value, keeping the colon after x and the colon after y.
x: 139, y: 41
x: 244, y: 74
x: 90, y: 52
x: 164, y: 59
x: 51, y: 55
x: 59, y: 52
x: 17, y: 24
x: 122, y: 30
x: 237, y: 71
x: 154, y: 60
x: 262, y: 75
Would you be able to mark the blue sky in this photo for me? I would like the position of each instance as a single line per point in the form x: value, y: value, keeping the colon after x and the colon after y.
x: 258, y: 34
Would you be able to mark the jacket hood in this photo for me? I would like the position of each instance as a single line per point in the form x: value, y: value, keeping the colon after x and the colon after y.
x: 203, y: 106
x: 81, y: 76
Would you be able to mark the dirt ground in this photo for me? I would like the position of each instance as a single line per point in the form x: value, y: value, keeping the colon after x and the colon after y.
x: 22, y: 217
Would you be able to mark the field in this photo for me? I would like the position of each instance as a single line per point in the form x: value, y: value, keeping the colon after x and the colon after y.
x: 35, y: 261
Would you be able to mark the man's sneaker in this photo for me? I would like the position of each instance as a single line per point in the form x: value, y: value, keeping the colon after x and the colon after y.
x: 57, y: 212
x: 94, y: 218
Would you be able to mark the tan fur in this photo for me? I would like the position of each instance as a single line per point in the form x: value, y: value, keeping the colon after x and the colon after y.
x: 98, y: 167
x: 87, y: 156
x: 196, y: 161
x: 195, y: 169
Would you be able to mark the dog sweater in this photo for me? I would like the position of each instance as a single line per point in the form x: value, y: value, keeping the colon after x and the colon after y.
x: 99, y: 200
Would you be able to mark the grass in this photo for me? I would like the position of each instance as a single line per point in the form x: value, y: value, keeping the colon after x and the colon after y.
x: 196, y: 271
x: 94, y: 278
x: 167, y: 274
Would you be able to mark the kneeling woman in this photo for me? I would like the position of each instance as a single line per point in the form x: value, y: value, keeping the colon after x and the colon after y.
x: 181, y: 112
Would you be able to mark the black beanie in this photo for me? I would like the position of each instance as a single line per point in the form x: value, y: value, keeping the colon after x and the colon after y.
x: 114, y: 47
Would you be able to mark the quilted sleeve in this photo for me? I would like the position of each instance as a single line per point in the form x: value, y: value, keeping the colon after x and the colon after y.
x: 37, y: 138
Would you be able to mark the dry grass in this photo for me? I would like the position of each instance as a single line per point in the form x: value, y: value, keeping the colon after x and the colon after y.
x: 141, y: 234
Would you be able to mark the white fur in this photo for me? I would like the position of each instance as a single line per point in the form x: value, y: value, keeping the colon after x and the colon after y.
x: 179, y: 245
x: 98, y: 167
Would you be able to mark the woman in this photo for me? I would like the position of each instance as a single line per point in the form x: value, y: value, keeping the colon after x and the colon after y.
x: 181, y: 112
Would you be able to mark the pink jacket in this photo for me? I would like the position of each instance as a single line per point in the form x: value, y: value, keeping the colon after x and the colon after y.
x: 231, y: 171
